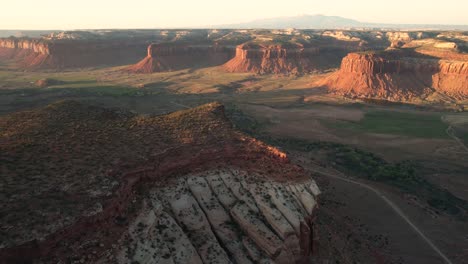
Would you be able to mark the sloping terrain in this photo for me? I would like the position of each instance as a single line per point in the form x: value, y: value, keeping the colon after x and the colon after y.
x: 81, y: 179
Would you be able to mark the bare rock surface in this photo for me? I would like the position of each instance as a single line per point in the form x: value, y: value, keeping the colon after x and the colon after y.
x: 209, y: 216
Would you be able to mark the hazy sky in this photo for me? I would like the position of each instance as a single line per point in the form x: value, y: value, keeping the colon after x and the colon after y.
x: 81, y: 14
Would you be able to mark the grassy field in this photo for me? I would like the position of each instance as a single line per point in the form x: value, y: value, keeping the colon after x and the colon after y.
x: 397, y: 123
x: 463, y: 136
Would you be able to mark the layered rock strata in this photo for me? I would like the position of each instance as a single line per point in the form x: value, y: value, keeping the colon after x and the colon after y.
x: 35, y: 54
x: 398, y: 78
x: 175, y: 56
x: 273, y: 59
x: 229, y: 216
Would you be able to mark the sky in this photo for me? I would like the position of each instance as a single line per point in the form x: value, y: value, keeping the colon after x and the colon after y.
x: 91, y: 14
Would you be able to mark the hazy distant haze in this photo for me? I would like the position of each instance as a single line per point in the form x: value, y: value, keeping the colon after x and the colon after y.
x: 88, y: 14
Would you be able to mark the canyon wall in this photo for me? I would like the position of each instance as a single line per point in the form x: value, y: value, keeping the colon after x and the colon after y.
x: 387, y: 76
x: 177, y: 56
x: 34, y: 54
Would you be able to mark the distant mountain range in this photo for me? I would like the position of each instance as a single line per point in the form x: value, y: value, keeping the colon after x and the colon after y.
x: 329, y: 22
x: 24, y: 33
x: 298, y: 22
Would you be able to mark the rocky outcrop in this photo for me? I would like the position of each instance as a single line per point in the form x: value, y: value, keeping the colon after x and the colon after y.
x: 394, y: 77
x: 400, y: 38
x: 252, y: 219
x: 35, y: 54
x: 176, y: 56
x: 273, y: 59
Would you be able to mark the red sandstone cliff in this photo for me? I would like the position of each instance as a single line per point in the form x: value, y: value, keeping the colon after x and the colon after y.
x: 292, y: 57
x: 277, y: 59
x: 393, y: 77
x: 175, y: 56
x: 36, y: 54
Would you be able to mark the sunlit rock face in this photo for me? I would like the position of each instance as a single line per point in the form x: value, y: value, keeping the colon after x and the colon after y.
x: 400, y: 77
x: 274, y: 59
x: 223, y: 216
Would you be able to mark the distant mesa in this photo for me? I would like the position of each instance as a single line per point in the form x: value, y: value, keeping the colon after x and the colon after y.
x: 291, y: 58
x: 172, y: 56
x: 292, y: 55
x: 40, y: 54
x: 263, y: 56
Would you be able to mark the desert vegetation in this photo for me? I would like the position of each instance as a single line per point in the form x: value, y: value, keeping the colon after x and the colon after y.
x: 405, y: 176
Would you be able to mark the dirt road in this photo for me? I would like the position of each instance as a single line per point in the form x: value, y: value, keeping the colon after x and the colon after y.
x: 391, y: 204
x: 451, y: 134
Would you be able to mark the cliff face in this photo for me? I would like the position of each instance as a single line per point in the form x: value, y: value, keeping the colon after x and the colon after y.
x: 276, y: 59
x: 375, y: 64
x: 398, y: 78
x: 452, y: 79
x: 174, y: 56
x: 40, y: 54
x: 185, y: 186
x: 32, y: 45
